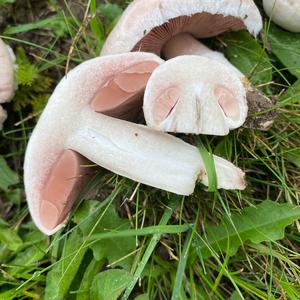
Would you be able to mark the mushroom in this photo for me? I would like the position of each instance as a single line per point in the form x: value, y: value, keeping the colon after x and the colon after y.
x: 156, y: 26
x: 147, y: 25
x: 71, y: 128
x: 195, y: 94
x: 7, y: 81
x: 285, y: 13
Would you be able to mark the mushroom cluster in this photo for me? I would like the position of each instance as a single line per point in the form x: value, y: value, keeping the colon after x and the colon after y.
x: 7, y: 80
x: 89, y: 116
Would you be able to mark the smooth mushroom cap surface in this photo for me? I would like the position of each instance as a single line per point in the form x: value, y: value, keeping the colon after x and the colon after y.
x: 7, y: 67
x: 195, y: 94
x: 54, y: 174
x: 285, y: 13
x: 146, y: 25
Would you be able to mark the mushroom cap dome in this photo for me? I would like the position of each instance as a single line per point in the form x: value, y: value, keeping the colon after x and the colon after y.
x: 285, y: 13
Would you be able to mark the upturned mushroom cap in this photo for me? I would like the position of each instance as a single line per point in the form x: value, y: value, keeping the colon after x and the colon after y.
x: 195, y: 94
x: 146, y: 25
x: 285, y: 13
x: 72, y: 128
x: 54, y: 174
x: 7, y: 82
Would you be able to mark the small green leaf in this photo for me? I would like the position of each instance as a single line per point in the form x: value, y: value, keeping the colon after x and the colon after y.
x: 110, y: 284
x: 87, y: 279
x: 286, y: 46
x: 7, y: 176
x: 142, y: 297
x: 2, y: 2
x: 248, y: 56
x: 60, y: 277
x: 110, y: 12
x: 10, y: 238
x: 113, y: 249
x: 56, y: 23
x: 266, y: 222
x: 292, y: 94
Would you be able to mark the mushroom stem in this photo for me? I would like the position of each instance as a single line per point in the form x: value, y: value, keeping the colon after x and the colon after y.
x: 186, y: 44
x: 145, y: 155
x: 136, y: 152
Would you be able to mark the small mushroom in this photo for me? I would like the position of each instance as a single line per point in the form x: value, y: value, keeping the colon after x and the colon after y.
x: 7, y: 81
x: 285, y: 13
x: 71, y: 129
x: 195, y: 94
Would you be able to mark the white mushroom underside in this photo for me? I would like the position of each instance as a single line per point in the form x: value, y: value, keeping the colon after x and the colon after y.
x: 194, y: 94
x: 142, y: 16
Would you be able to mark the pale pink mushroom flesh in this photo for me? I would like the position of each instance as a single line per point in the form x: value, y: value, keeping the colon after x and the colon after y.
x: 120, y: 97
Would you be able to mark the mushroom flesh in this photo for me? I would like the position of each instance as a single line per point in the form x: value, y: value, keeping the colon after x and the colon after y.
x: 195, y: 94
x: 73, y: 127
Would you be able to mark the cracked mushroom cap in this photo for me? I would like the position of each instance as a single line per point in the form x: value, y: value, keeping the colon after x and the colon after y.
x: 146, y: 25
x: 195, y: 94
x: 7, y: 82
x: 285, y: 13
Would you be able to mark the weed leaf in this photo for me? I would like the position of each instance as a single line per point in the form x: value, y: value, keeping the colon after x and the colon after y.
x: 110, y: 284
x: 286, y: 46
x: 113, y: 249
x: 7, y: 176
x: 248, y: 56
x: 266, y: 222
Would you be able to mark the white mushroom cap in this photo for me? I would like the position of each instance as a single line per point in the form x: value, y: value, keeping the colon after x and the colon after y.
x: 7, y: 82
x: 285, y: 13
x: 147, y: 25
x: 195, y: 94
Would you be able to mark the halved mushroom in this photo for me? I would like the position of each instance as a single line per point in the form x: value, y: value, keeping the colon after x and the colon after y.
x: 285, y: 13
x: 71, y: 129
x: 156, y: 26
x: 7, y: 81
x: 195, y: 94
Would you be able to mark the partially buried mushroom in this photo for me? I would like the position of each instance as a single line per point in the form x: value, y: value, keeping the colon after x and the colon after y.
x: 157, y: 26
x: 71, y: 129
x: 7, y: 81
x: 194, y: 94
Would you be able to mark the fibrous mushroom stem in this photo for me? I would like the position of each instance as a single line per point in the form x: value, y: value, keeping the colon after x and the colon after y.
x: 186, y: 44
x: 147, y: 156
x: 137, y: 152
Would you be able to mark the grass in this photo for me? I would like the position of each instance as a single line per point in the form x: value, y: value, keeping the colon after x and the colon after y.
x: 162, y: 243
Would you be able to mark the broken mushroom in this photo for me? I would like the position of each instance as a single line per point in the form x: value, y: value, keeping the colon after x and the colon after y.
x: 285, y: 13
x: 7, y: 81
x: 71, y: 129
x: 195, y: 94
